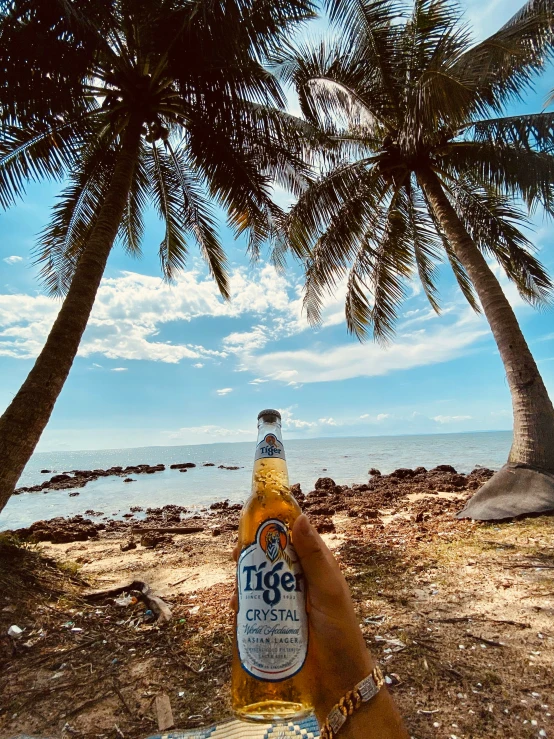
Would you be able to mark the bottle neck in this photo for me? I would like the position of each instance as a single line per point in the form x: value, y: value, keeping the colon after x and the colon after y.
x: 270, y: 441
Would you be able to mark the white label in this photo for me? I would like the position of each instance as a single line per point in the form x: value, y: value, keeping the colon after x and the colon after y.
x: 270, y: 447
x: 272, y: 625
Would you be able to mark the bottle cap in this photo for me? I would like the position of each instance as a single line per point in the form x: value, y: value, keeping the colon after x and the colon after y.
x: 269, y: 412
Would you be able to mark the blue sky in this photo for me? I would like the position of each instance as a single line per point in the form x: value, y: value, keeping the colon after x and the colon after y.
x: 175, y: 364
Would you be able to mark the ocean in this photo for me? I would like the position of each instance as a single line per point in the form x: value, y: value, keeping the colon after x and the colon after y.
x: 346, y: 460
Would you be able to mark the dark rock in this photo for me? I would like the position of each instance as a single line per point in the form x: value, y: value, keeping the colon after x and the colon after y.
x: 402, y: 473
x: 183, y: 469
x: 420, y: 471
x: 136, y: 509
x: 73, y: 495
x: 228, y: 467
x: 127, y: 545
x: 90, y: 512
x: 45, y: 472
x: 325, y: 483
x: 60, y: 478
x: 458, y: 481
x: 61, y: 530
x: 183, y: 466
x: 296, y: 489
x: 444, y: 468
x: 220, y: 505
x: 375, y: 472
x: 216, y: 531
x: 208, y: 464
x: 128, y: 515
x: 129, y: 479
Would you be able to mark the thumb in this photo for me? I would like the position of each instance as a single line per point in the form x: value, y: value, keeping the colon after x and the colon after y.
x: 326, y: 583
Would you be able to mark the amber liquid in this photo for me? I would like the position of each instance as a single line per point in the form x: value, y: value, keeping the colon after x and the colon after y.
x: 253, y: 699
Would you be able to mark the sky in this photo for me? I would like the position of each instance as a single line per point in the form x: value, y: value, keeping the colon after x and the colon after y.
x: 175, y: 364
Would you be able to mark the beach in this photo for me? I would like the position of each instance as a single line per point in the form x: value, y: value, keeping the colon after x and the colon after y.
x: 459, y: 613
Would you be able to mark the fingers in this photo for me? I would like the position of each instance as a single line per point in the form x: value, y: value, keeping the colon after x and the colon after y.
x: 325, y: 581
x: 236, y: 552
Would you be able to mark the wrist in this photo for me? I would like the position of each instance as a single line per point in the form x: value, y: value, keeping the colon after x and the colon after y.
x: 344, y: 678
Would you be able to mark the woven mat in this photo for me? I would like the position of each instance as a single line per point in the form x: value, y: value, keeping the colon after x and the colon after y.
x: 307, y: 729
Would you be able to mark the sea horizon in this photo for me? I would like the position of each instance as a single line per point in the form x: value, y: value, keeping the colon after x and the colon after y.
x: 287, y: 438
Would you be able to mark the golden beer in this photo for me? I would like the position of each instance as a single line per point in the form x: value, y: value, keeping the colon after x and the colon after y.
x: 270, y: 678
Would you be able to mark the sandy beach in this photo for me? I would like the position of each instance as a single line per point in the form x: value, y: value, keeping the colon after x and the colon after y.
x: 458, y: 613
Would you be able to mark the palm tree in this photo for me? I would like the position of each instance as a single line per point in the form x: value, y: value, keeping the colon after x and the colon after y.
x: 136, y: 101
x: 425, y: 167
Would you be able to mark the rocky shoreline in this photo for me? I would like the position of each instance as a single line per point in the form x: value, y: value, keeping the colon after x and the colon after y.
x: 365, y: 502
x: 79, y: 478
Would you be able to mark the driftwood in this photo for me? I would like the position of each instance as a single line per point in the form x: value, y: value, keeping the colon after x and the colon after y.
x: 156, y: 604
x: 164, y: 712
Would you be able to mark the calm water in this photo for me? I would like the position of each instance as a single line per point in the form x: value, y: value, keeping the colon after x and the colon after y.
x: 345, y: 460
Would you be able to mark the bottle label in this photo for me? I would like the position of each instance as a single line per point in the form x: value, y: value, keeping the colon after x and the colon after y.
x: 272, y: 624
x: 270, y: 447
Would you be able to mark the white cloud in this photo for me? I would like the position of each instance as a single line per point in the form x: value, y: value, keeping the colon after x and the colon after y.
x: 198, y: 365
x: 98, y: 366
x: 224, y: 391
x: 119, y: 369
x: 131, y: 308
x: 289, y: 422
x: 13, y: 260
x: 451, y: 419
x: 383, y: 416
x: 323, y: 364
x: 375, y: 419
x: 244, y: 342
x: 209, y: 432
x: 257, y: 381
x: 328, y: 422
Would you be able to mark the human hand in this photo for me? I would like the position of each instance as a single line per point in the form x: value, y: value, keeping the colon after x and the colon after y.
x: 338, y: 653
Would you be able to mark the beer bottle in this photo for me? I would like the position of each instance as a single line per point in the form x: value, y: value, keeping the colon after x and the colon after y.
x: 270, y: 679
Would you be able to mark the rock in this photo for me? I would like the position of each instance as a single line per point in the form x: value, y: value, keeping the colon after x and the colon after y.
x: 216, y: 531
x: 136, y: 509
x: 296, y: 489
x: 228, y: 467
x: 325, y: 483
x: 444, y: 468
x: 208, y: 464
x: 420, y: 471
x: 45, y: 472
x: 183, y: 466
x: 60, y: 478
x: 153, y: 539
x: 183, y: 469
x: 73, y: 495
x: 61, y: 530
x: 402, y: 473
x: 323, y: 525
x: 129, y: 479
x: 375, y: 472
x: 220, y: 505
x: 127, y: 545
x: 458, y: 481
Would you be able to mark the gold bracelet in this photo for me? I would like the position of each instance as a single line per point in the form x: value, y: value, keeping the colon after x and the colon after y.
x: 362, y: 693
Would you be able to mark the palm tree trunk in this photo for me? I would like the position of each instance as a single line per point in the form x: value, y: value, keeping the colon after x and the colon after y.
x: 525, y: 485
x: 27, y: 415
x: 533, y: 442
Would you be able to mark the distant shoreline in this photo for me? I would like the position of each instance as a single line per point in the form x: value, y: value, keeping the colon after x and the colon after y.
x: 287, y: 438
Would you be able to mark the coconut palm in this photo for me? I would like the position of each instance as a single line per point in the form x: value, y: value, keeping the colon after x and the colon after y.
x: 136, y: 101
x: 428, y: 168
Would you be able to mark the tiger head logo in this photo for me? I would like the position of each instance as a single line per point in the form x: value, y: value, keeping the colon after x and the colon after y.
x: 274, y: 540
x: 271, y: 440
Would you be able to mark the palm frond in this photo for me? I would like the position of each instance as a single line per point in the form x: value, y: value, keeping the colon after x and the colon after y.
x: 532, y: 132
x: 426, y: 245
x: 494, y: 224
x: 62, y: 242
x: 131, y: 229
x: 512, y: 170
x: 503, y: 67
x: 199, y: 218
x: 38, y: 151
x: 167, y: 201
